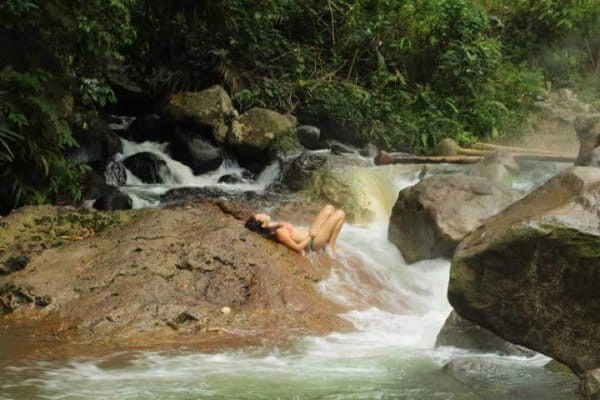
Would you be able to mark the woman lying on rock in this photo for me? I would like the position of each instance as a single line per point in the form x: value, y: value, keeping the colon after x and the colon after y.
x: 324, y: 230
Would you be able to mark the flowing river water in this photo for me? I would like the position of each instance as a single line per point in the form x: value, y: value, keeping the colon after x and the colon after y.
x: 390, y: 355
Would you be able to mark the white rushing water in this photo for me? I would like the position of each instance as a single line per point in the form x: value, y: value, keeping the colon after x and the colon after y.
x: 390, y: 355
x: 178, y: 175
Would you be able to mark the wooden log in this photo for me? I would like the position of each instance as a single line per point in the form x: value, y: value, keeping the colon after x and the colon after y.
x: 543, y: 157
x: 510, y: 149
x: 384, y: 158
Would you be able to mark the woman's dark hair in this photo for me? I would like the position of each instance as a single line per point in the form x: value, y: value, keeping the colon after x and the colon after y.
x: 256, y: 226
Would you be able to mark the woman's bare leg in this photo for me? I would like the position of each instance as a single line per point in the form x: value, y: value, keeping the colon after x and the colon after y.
x: 336, y: 230
x: 327, y: 229
x: 315, y: 227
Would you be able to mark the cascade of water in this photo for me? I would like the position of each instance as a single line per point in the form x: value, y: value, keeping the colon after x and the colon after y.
x: 177, y: 175
x: 396, y: 309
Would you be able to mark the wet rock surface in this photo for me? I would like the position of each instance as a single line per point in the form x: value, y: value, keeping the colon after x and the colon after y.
x: 146, y: 166
x: 531, y: 274
x: 159, y: 276
x: 113, y: 199
x: 346, y: 182
x: 430, y: 218
x: 195, y: 152
x: 458, y: 332
x: 149, y: 127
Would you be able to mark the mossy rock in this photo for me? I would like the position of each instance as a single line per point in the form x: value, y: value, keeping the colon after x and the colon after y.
x: 208, y: 108
x: 531, y: 274
x: 34, y: 228
x: 261, y: 133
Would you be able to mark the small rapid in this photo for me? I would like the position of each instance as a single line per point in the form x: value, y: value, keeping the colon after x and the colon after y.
x: 389, y: 355
x: 178, y: 175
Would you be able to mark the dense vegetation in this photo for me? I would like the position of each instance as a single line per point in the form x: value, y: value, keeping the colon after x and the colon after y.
x: 400, y: 73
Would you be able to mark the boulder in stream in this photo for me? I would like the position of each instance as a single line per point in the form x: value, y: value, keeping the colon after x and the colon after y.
x: 347, y: 183
x: 531, y: 274
x: 499, y: 167
x: 463, y: 334
x: 149, y: 127
x: 207, y: 110
x: 98, y: 144
x: 309, y: 137
x: 259, y: 135
x: 195, y: 152
x: 430, y: 218
x: 147, y: 166
x: 113, y: 199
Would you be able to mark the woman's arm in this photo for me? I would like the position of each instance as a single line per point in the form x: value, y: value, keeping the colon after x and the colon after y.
x: 283, y: 236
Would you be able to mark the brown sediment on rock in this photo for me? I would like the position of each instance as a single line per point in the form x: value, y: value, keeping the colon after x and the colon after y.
x: 162, y: 277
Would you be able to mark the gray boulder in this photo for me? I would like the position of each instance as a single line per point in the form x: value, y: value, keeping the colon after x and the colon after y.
x: 115, y: 173
x: 430, y: 218
x: 309, y: 137
x: 463, y: 334
x: 113, y: 199
x: 531, y: 274
x: 146, y: 166
x: 98, y: 144
x: 195, y: 152
x: 499, y: 167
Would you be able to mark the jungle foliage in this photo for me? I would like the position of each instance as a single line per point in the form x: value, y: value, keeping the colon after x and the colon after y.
x: 401, y: 73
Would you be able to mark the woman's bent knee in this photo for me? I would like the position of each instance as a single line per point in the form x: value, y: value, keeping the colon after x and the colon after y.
x: 340, y: 214
x: 329, y: 208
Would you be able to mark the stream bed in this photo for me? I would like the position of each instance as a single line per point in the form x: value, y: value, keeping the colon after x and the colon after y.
x: 390, y: 355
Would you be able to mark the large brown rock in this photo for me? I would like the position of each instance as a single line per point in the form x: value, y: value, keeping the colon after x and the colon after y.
x: 430, y: 218
x: 531, y: 274
x: 148, y: 277
x: 210, y: 108
x: 261, y: 134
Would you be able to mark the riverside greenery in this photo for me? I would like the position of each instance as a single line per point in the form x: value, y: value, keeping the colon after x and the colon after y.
x: 402, y: 74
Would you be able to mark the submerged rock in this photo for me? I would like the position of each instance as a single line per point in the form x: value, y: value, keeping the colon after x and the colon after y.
x: 430, y: 218
x: 146, y: 166
x: 165, y: 276
x: 531, y: 274
x: 458, y: 332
